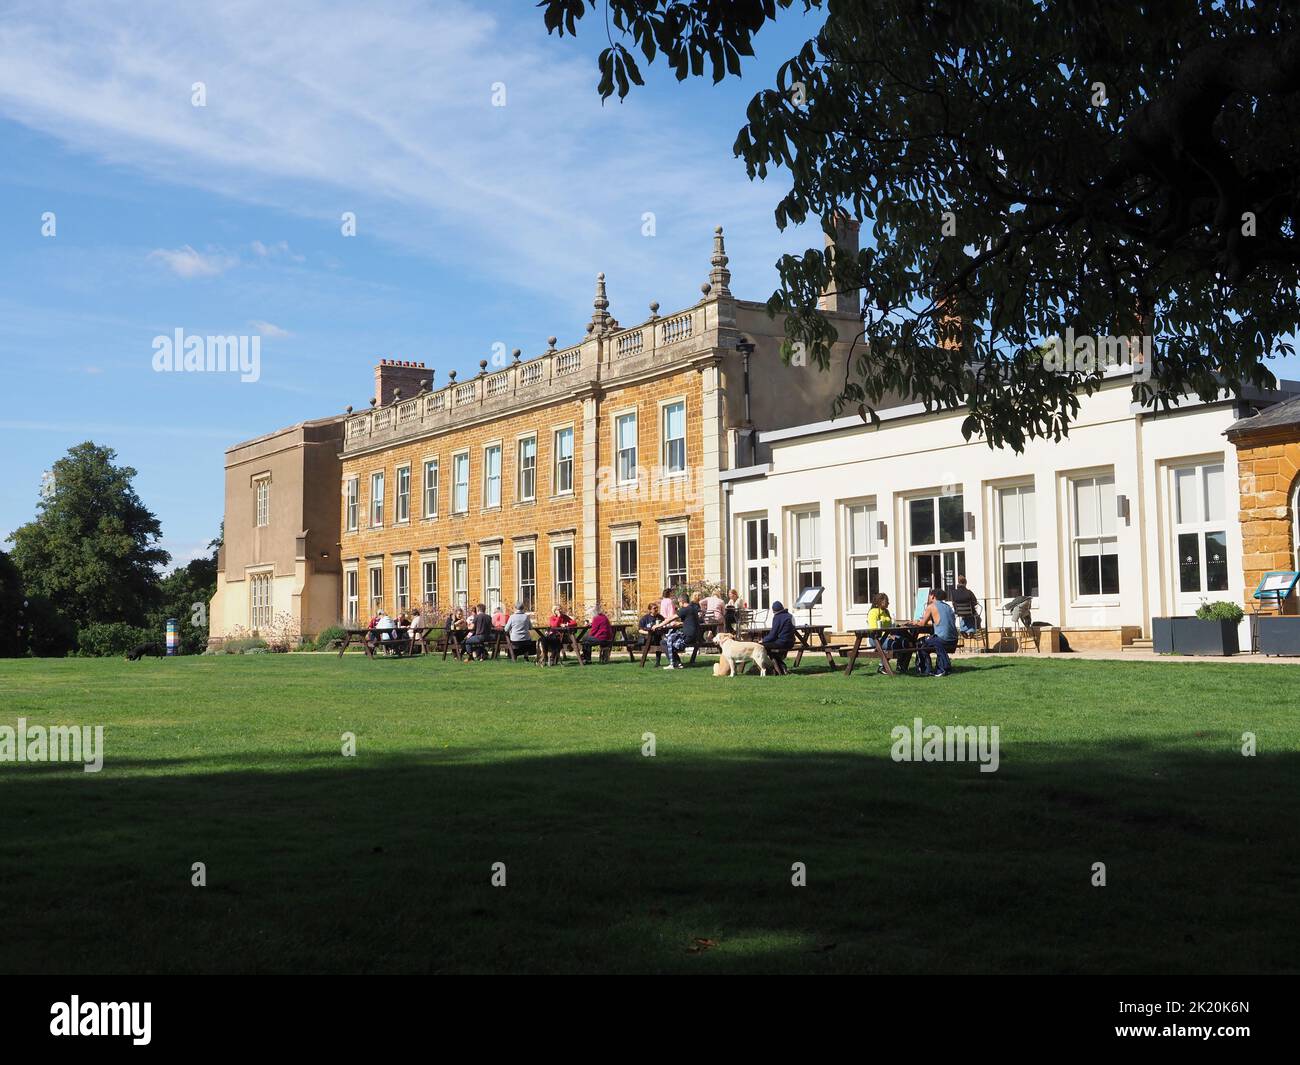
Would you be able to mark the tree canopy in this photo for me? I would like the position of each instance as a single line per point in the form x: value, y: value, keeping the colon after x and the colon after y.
x: 1024, y: 167
x: 92, y: 549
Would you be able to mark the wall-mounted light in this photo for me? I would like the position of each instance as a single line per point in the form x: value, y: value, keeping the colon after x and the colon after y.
x: 882, y: 532
x: 771, y: 543
x: 970, y: 524
x: 1121, y: 507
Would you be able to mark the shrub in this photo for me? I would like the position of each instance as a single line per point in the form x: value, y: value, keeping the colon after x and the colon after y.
x: 334, y: 632
x: 106, y: 639
x: 243, y: 646
x: 1222, y: 610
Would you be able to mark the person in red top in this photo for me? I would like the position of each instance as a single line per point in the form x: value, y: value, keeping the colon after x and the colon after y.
x: 552, y: 641
x: 600, y: 634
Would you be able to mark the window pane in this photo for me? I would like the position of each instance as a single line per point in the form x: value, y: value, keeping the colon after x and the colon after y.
x: 1089, y: 575
x: 1185, y: 496
x: 1031, y: 579
x: 1028, y: 515
x: 1216, y: 562
x: 1085, y: 508
x: 1012, y: 527
x: 1012, y: 577
x: 1106, y: 501
x: 922, y: 514
x: 952, y: 520
x: 1109, y: 571
x: 1214, y: 494
x: 1189, y: 562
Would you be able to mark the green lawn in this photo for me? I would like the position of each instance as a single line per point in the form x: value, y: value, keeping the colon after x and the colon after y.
x: 619, y: 862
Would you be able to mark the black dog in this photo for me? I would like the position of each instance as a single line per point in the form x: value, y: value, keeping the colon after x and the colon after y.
x: 157, y: 650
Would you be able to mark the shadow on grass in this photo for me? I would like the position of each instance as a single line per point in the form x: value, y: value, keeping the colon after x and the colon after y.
x: 616, y: 862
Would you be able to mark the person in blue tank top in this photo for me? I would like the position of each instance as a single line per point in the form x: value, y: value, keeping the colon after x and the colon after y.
x: 943, y: 641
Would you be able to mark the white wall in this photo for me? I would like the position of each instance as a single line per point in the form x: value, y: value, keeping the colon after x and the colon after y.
x: 908, y: 455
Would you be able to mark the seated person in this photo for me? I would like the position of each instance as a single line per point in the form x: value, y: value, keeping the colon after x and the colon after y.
x: 519, y: 627
x: 553, y: 642
x: 418, y: 629
x: 650, y: 622
x: 780, y: 636
x: 942, y: 642
x: 480, y: 632
x: 878, y: 617
x: 684, y: 631
x: 599, y: 634
x: 965, y: 606
x: 499, y: 617
x: 714, y: 608
x: 731, y: 610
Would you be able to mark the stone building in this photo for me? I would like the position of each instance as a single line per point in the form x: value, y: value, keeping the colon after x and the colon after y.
x: 589, y: 473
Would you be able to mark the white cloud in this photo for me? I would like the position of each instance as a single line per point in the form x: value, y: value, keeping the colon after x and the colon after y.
x: 269, y: 329
x: 186, y: 262
x: 278, y: 250
x: 387, y: 112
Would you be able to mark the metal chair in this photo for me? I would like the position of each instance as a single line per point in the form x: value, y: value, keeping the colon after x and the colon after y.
x: 1019, y: 627
x: 976, y: 637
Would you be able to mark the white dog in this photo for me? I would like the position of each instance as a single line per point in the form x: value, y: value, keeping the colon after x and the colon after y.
x: 735, y: 653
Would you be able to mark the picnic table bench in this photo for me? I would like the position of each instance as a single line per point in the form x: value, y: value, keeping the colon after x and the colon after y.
x: 400, y: 641
x: 908, y: 633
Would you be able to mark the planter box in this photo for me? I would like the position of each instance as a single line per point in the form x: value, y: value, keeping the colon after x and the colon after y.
x: 1192, y: 636
x: 1278, y: 635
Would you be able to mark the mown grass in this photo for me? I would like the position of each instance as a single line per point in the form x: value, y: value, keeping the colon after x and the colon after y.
x: 617, y: 862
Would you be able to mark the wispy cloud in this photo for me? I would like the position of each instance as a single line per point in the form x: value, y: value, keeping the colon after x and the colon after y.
x: 269, y: 329
x: 278, y: 250
x: 388, y: 113
x: 186, y: 262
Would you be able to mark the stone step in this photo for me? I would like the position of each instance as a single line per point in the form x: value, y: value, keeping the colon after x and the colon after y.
x: 1138, y: 645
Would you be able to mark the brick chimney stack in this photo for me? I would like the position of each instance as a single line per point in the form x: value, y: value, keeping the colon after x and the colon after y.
x: 845, y: 242
x: 393, y: 374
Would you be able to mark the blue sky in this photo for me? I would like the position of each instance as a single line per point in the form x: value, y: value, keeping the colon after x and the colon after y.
x: 476, y: 225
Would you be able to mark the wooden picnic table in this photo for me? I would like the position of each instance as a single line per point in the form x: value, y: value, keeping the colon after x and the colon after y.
x: 400, y: 641
x: 569, y: 636
x: 910, y: 633
x: 708, y: 630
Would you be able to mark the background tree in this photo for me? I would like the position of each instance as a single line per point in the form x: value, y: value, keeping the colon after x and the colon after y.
x: 92, y: 549
x: 1024, y: 166
x: 184, y: 595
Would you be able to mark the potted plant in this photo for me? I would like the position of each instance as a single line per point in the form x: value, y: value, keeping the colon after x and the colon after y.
x: 1213, y: 631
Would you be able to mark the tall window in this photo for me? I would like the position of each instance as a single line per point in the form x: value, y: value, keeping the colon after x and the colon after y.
x: 376, y: 590
x: 350, y: 504
x: 563, y: 557
x: 460, y: 582
x: 263, y: 502
x: 403, y: 503
x: 526, y: 490
x: 936, y: 529
x: 674, y: 560
x: 376, y: 500
x: 674, y: 435
x: 492, y: 476
x: 460, y: 483
x: 492, y: 581
x: 402, y: 585
x: 758, y: 591
x: 1200, y: 532
x: 563, y: 461
x: 1096, y: 548
x: 352, y: 608
x: 864, y: 555
x: 627, y: 562
x: 807, y: 549
x: 431, y: 488
x: 259, y: 606
x: 429, y: 583
x: 526, y: 568
x: 1017, y: 541
x: 625, y: 438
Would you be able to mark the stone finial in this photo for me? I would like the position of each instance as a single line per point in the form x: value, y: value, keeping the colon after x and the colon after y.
x: 347, y: 409
x: 397, y: 394
x: 654, y: 310
x: 705, y: 289
x: 515, y: 354
x: 452, y: 375
x: 424, y: 387
x: 482, y: 367
x: 550, y: 343
x: 600, y: 317
x: 719, y: 276
x: 373, y: 401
